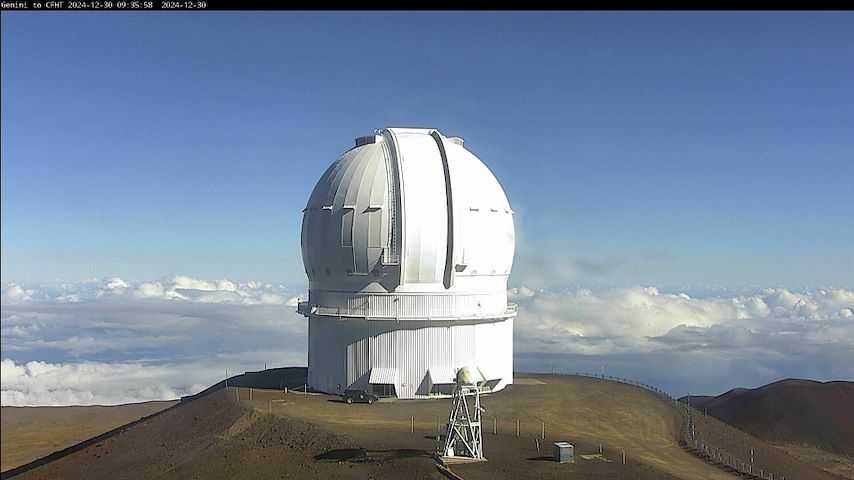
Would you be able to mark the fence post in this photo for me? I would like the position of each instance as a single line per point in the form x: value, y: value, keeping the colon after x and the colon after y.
x: 494, y: 425
x: 624, y: 458
x: 517, y: 427
x: 543, y: 431
x: 412, y: 425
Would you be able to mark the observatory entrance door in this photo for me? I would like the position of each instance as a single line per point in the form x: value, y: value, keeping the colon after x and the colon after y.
x: 383, y: 389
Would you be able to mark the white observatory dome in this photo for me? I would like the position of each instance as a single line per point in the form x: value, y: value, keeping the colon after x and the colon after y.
x: 407, y: 242
x: 408, y: 212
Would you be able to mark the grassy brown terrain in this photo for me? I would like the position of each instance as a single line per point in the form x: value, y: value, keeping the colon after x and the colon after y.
x: 226, y: 434
x: 623, y: 418
x: 737, y: 445
x: 217, y: 436
x: 253, y: 433
x: 834, y: 463
x: 28, y: 433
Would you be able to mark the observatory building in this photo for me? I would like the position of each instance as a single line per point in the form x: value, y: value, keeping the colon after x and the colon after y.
x: 407, y: 242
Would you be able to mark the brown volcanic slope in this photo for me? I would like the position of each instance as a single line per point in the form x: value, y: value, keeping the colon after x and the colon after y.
x: 253, y: 434
x: 28, y: 433
x: 215, y: 436
x: 790, y: 411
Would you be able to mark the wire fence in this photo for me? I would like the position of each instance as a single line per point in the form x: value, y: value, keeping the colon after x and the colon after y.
x: 537, y: 430
x: 688, y: 435
x: 535, y: 434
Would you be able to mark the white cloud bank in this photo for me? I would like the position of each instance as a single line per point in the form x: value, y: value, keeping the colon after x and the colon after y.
x: 116, y: 340
x: 632, y: 318
x: 685, y: 344
x: 87, y: 383
x: 14, y: 293
x: 181, y: 287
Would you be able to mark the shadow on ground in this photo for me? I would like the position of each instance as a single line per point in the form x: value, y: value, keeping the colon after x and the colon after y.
x: 360, y: 455
x: 542, y: 459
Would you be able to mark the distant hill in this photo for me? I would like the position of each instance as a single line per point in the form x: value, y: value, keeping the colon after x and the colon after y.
x: 789, y: 411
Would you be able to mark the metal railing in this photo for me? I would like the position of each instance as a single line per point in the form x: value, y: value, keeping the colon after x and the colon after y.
x: 366, y: 312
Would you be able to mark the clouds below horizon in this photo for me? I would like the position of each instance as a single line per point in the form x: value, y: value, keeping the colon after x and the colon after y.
x: 86, y: 383
x: 117, y: 341
x: 686, y: 344
x: 174, y: 287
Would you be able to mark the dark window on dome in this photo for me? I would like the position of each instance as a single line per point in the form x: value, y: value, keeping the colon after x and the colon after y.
x: 347, y: 228
x: 306, y: 224
x: 328, y: 272
x: 375, y: 232
x: 326, y: 227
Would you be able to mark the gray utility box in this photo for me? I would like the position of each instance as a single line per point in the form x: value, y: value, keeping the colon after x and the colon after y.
x: 564, y: 452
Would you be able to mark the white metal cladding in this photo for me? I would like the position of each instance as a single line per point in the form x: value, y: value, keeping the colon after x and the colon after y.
x: 490, y: 372
x: 383, y: 375
x: 485, y: 238
x: 343, y: 353
x: 425, y: 213
x: 407, y: 241
x: 441, y: 375
x: 345, y: 222
x: 453, y: 232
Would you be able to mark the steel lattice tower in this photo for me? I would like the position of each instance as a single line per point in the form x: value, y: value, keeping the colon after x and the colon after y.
x: 464, y: 434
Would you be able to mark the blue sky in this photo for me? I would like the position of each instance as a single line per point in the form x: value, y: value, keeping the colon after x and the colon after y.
x: 681, y: 182
x: 637, y: 148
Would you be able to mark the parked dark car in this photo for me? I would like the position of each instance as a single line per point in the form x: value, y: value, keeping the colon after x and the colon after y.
x: 359, y: 396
